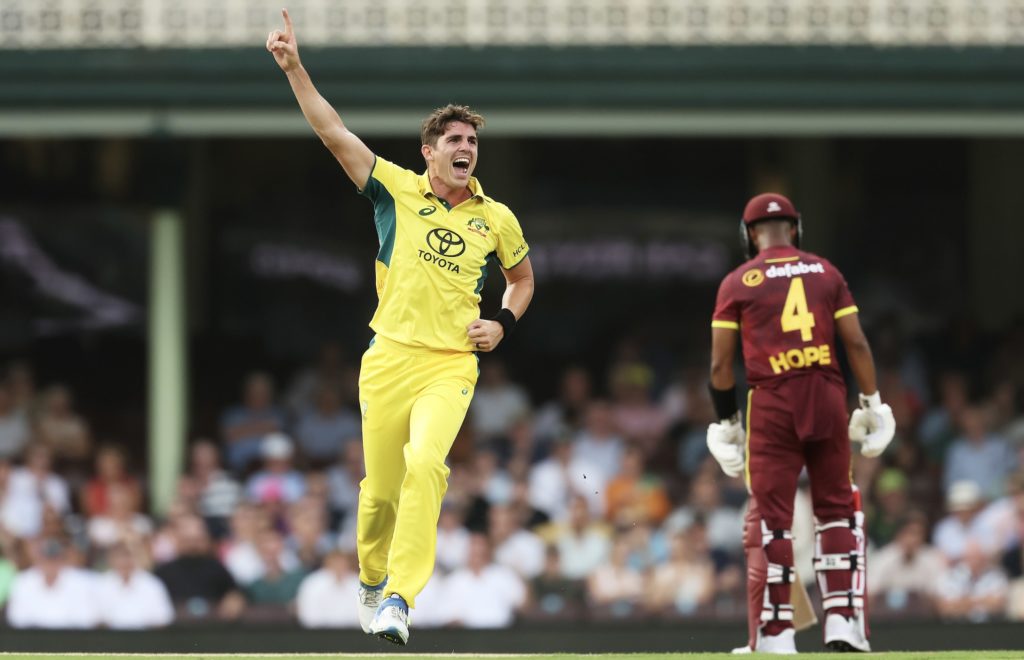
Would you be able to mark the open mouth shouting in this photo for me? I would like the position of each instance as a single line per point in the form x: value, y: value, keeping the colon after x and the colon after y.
x: 461, y: 166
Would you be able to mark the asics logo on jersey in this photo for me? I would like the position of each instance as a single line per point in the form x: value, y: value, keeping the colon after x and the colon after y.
x: 445, y: 242
x: 773, y: 207
x: 792, y: 270
x: 428, y: 210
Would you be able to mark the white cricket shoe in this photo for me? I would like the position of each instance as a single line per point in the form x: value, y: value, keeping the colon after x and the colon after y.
x: 742, y: 650
x: 369, y: 599
x: 845, y: 635
x: 392, y: 620
x: 782, y: 644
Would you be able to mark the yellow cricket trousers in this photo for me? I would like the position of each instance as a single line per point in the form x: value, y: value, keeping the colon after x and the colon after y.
x: 413, y: 402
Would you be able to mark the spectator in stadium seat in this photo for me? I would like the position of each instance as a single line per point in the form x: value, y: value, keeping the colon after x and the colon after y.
x: 14, y: 427
x: 277, y: 585
x: 582, y: 541
x: 329, y: 370
x: 555, y: 480
x: 938, y: 427
x: 634, y: 413
x: 343, y: 484
x: 498, y: 402
x: 245, y: 425
x: 452, y: 537
x: 978, y: 455
x: 122, y: 522
x: 1013, y: 554
x: 198, y: 583
x: 493, y: 483
x: 324, y: 429
x: 686, y: 581
x: 278, y: 483
x: 239, y: 550
x: 1013, y: 563
x: 616, y: 587
x: 61, y: 429
x: 552, y: 595
x: 8, y: 569
x: 52, y: 594
x: 22, y: 379
x: 906, y: 568
x: 325, y: 595
x: 1001, y: 515
x: 974, y: 588
x: 217, y: 491
x: 600, y: 444
x: 164, y: 543
x: 687, y: 393
x: 515, y: 547
x: 890, y: 495
x: 130, y: 597
x: 31, y: 489
x: 530, y: 516
x: 724, y: 523
x: 308, y: 539
x: 111, y: 471
x: 5, y: 479
x: 692, y: 451
x: 431, y: 610
x: 565, y: 415
x: 505, y: 591
x: 965, y: 522
x: 634, y: 495
x: 1015, y: 600
x: 522, y: 450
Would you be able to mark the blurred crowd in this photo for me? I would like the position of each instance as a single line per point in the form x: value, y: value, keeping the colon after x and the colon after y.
x: 599, y: 503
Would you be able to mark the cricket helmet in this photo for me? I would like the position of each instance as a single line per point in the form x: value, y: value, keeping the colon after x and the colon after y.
x: 767, y: 206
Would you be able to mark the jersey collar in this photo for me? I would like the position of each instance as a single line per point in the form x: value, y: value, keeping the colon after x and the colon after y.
x: 474, y: 186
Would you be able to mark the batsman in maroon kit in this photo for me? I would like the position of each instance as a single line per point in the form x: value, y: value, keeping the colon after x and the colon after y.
x: 787, y: 305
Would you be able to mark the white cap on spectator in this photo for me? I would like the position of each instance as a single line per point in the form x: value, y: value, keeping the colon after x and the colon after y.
x: 963, y: 495
x: 276, y: 446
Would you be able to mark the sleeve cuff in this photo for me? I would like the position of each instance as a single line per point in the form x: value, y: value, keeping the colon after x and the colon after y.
x: 846, y: 311
x: 728, y: 325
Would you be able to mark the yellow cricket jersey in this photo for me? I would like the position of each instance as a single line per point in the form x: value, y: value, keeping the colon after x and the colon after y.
x: 432, y: 261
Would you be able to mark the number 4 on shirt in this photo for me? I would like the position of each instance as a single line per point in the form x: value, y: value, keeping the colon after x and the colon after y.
x: 795, y: 315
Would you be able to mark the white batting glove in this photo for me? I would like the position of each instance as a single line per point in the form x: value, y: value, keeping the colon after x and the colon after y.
x: 725, y: 441
x: 872, y: 425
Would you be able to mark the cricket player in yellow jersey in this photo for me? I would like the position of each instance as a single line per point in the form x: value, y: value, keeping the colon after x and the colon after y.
x: 436, y: 232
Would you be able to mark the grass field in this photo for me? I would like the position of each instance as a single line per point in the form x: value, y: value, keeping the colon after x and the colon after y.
x: 917, y: 655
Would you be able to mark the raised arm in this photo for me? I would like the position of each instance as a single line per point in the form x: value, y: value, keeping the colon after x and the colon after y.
x: 355, y: 157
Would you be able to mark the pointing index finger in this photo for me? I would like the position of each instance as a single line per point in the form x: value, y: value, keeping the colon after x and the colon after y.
x: 287, y: 23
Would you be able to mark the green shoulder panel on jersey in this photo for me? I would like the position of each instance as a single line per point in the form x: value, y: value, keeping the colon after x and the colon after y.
x: 483, y: 272
x: 383, y: 216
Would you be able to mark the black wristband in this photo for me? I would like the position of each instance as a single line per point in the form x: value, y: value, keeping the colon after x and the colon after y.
x: 724, y: 402
x: 507, y: 320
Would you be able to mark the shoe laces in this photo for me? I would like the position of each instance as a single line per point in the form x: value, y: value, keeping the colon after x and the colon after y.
x: 370, y: 597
